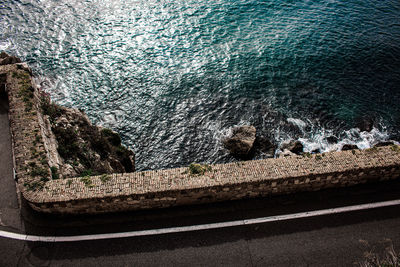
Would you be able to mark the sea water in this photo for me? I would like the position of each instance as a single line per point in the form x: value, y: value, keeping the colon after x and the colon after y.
x: 174, y: 77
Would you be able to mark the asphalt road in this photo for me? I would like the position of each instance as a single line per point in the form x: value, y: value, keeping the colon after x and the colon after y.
x: 330, y: 240
x: 9, y: 210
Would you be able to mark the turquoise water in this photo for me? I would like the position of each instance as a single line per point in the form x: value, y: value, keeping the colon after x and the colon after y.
x: 173, y: 77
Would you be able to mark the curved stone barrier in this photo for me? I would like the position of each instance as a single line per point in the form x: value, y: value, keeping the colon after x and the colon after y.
x: 166, y: 188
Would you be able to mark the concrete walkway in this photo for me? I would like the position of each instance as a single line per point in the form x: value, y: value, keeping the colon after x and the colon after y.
x: 9, y: 211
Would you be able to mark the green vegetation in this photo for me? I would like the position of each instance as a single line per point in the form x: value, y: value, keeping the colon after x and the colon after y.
x: 37, y: 140
x: 87, y: 181
x: 44, y: 161
x: 67, y: 142
x: 34, y: 153
x: 198, y: 169
x: 54, y: 173
x: 87, y: 172
x: 395, y: 148
x: 318, y: 157
x: 44, y: 179
x: 372, y: 149
x: 69, y: 182
x: 33, y: 186
x: 32, y: 164
x: 38, y: 171
x: 49, y: 108
x: 26, y: 90
x: 111, y: 136
x: 307, y: 154
x: 106, y: 143
x: 105, y: 178
x: 79, y: 142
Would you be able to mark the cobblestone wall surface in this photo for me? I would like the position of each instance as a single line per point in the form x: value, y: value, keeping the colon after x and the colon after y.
x: 31, y: 160
x: 166, y: 188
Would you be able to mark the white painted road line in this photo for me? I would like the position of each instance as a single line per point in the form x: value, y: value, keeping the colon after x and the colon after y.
x: 285, y: 217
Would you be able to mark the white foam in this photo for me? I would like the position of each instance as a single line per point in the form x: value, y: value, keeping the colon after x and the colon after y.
x: 316, y: 139
x: 299, y: 123
x: 4, y: 45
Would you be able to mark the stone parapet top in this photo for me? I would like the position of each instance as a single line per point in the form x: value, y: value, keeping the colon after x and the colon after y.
x: 31, y: 165
x: 220, y: 175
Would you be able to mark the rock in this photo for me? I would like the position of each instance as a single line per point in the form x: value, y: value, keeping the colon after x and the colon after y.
x: 25, y: 67
x: 332, y: 139
x: 9, y: 60
x: 286, y: 153
x: 365, y: 124
x: 265, y: 146
x: 3, y: 55
x: 316, y: 151
x: 386, y: 143
x: 349, y: 147
x: 293, y: 146
x: 241, y: 141
x: 82, y: 148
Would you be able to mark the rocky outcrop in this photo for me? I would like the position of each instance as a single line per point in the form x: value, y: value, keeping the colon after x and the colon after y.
x: 349, y: 147
x: 293, y: 146
x: 242, y: 140
x: 265, y: 146
x: 79, y: 148
x: 365, y: 124
x: 6, y: 59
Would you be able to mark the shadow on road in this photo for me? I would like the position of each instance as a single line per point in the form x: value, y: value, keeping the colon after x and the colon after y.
x: 215, y: 212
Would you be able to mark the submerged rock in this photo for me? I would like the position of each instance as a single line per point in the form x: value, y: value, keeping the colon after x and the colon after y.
x: 242, y: 140
x: 349, y: 147
x: 332, y: 139
x: 293, y: 146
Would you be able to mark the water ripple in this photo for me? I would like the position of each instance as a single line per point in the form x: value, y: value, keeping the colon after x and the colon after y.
x: 174, y: 76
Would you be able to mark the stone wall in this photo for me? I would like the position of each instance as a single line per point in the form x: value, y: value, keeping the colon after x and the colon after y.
x: 31, y: 159
x: 166, y: 188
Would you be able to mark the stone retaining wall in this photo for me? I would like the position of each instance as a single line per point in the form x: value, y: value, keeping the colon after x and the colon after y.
x: 30, y: 155
x: 166, y: 188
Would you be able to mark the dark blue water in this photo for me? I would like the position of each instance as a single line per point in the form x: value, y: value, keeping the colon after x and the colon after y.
x: 173, y: 77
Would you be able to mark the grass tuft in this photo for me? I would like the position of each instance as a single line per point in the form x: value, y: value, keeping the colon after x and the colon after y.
x: 105, y: 178
x: 198, y: 169
x: 318, y: 157
x: 87, y: 181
